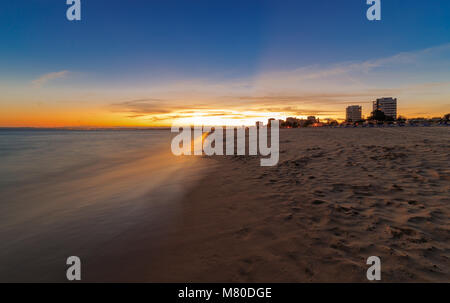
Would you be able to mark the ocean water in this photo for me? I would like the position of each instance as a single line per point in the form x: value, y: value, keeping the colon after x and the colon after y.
x: 104, y: 196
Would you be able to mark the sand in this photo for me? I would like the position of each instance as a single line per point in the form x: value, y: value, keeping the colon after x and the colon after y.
x: 336, y: 197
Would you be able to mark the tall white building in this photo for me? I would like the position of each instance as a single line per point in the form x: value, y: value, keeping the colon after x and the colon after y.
x: 387, y: 105
x: 353, y: 113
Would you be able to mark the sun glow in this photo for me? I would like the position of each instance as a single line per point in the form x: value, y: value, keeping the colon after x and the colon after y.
x: 226, y: 118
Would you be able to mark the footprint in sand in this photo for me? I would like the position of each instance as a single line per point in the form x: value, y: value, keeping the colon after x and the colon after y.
x: 318, y: 202
x: 419, y: 219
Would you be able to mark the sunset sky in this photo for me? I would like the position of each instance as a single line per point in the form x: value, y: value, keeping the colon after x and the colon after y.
x: 148, y: 63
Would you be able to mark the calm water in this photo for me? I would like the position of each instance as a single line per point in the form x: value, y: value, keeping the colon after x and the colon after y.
x: 104, y: 196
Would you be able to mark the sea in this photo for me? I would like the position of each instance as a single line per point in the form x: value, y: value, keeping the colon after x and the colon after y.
x: 104, y: 196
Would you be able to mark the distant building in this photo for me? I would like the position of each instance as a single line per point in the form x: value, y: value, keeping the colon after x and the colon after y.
x: 291, y: 120
x: 259, y: 124
x: 387, y: 105
x: 312, y: 119
x: 353, y: 113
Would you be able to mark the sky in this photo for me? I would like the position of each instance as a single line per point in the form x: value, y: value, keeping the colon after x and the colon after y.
x: 150, y: 63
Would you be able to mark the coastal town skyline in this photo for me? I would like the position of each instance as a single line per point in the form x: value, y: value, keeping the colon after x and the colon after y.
x: 353, y: 115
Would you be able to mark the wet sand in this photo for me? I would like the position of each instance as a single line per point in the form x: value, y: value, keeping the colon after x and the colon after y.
x: 336, y: 197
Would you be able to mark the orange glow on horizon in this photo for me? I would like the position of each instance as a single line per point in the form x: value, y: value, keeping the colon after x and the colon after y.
x: 98, y: 117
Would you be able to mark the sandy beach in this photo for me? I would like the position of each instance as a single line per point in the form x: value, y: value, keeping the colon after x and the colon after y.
x: 336, y: 197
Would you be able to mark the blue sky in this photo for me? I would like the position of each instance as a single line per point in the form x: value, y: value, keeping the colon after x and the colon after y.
x: 138, y: 44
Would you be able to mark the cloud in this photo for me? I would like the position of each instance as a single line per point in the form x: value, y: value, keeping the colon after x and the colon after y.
x: 417, y: 78
x: 148, y: 106
x: 48, y: 77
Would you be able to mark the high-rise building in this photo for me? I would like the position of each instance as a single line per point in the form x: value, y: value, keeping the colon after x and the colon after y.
x: 353, y: 113
x: 387, y: 105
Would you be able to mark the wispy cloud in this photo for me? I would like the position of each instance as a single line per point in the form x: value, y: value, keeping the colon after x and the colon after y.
x: 48, y: 77
x: 417, y: 78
